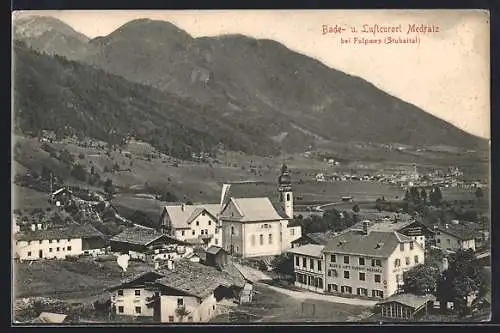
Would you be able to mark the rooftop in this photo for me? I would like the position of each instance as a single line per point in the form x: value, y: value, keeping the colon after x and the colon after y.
x: 253, y: 209
x: 140, y: 236
x: 196, y: 279
x: 411, y: 300
x: 182, y: 215
x: 49, y: 318
x: 214, y: 249
x: 374, y: 244
x: 69, y: 232
x: 459, y: 231
x: 310, y: 250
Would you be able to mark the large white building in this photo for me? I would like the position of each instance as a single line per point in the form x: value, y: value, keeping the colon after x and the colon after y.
x: 253, y: 227
x: 359, y: 262
x: 194, y: 223
x: 58, y: 243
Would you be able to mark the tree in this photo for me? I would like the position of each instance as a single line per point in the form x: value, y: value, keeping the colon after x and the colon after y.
x: 283, y: 264
x: 414, y: 195
x: 421, y: 280
x: 435, y: 196
x: 109, y: 188
x: 461, y: 280
x: 182, y: 312
x: 423, y: 195
x: 79, y: 172
x: 355, y: 208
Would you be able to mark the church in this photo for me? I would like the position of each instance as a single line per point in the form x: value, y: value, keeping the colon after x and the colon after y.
x: 253, y: 227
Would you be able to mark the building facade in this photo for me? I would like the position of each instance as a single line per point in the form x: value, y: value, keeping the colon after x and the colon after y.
x: 58, y: 243
x: 192, y: 223
x: 363, y: 263
x: 309, y: 267
x: 452, y: 238
x: 253, y: 227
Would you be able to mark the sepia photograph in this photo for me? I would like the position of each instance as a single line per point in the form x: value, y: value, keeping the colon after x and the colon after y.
x: 232, y: 167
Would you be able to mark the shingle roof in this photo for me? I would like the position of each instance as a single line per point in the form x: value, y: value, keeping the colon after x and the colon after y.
x: 139, y: 236
x: 254, y: 209
x: 182, y: 215
x: 196, y: 279
x: 411, y: 300
x: 375, y: 244
x: 214, y: 249
x: 72, y: 231
x: 322, y: 238
x: 310, y: 250
x: 459, y: 231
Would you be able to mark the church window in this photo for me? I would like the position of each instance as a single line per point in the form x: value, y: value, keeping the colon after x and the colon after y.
x: 261, y: 239
x: 288, y: 197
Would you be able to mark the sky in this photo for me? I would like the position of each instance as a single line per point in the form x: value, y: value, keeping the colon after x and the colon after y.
x: 446, y: 72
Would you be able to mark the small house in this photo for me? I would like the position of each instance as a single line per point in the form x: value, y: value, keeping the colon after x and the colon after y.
x: 148, y: 244
x: 406, y: 306
x: 216, y: 257
x: 183, y: 291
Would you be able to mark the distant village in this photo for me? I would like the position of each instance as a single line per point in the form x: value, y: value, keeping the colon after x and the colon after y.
x: 200, y: 254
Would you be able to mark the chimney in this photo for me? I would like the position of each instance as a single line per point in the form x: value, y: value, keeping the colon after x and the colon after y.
x: 365, y: 227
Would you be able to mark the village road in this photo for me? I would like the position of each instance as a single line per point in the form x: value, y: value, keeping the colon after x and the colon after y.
x: 257, y: 276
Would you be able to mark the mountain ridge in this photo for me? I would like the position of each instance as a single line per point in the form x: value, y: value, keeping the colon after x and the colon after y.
x: 251, y: 78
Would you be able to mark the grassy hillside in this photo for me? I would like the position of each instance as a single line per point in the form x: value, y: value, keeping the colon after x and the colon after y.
x: 53, y: 93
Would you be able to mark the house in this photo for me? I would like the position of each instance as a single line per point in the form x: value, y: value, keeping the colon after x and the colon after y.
x: 309, y: 267
x: 61, y: 197
x: 216, y: 257
x: 369, y: 263
x: 406, y: 306
x: 184, y: 291
x: 148, y: 245
x: 452, y: 237
x: 59, y: 243
x: 192, y: 223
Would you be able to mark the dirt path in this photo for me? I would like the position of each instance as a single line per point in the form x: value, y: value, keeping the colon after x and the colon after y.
x: 257, y: 276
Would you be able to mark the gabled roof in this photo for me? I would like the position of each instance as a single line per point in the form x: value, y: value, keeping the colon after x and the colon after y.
x: 310, y: 250
x: 459, y: 231
x: 214, y: 249
x: 374, y: 244
x: 182, y: 215
x: 149, y: 276
x: 252, y: 209
x: 411, y: 300
x: 196, y: 279
x: 69, y: 232
x: 141, y: 236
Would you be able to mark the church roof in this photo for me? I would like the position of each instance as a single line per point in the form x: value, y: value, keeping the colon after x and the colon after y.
x: 253, y: 209
x: 182, y: 215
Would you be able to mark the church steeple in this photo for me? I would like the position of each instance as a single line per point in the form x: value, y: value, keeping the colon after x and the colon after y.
x: 285, y: 191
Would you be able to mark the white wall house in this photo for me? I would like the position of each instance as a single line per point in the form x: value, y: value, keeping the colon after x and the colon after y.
x: 309, y: 267
x: 192, y: 222
x: 453, y: 237
x: 58, y: 243
x: 363, y: 263
x: 178, y: 286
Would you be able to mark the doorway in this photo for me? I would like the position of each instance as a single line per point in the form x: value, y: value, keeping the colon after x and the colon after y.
x: 40, y: 254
